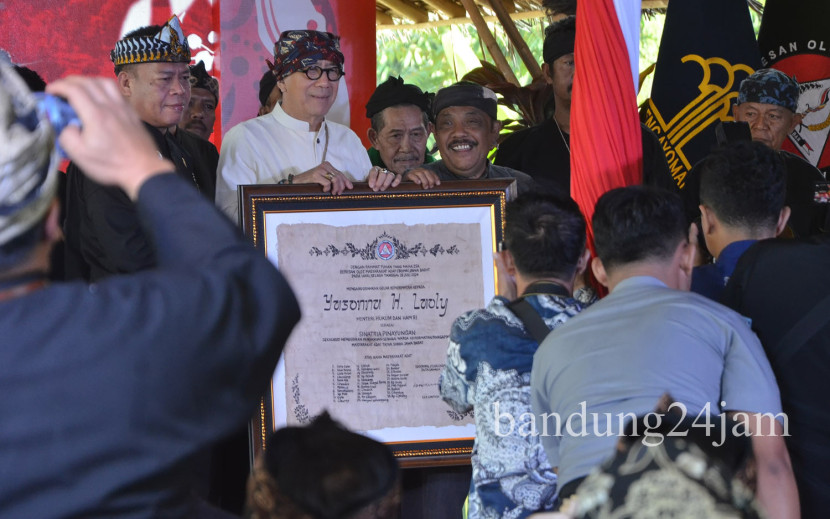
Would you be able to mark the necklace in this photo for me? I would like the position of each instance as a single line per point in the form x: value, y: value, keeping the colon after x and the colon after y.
x: 561, y: 134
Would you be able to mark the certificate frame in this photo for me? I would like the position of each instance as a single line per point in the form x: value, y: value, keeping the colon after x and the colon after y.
x: 308, y: 201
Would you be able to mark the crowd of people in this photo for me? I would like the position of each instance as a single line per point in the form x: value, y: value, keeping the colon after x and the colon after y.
x: 695, y: 386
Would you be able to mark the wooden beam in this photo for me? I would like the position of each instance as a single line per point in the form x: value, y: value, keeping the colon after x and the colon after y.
x: 451, y: 9
x: 527, y: 15
x: 513, y: 35
x: 382, y: 18
x: 489, y: 41
x: 405, y: 10
x: 508, y: 5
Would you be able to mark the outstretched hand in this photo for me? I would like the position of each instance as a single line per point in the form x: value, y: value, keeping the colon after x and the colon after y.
x: 112, y: 147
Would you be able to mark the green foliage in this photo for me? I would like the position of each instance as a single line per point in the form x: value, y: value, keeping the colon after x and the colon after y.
x: 438, y: 57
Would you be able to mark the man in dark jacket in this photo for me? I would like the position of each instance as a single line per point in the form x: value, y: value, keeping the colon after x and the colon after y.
x: 113, y: 392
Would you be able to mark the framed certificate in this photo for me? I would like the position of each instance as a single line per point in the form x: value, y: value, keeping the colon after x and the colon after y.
x: 380, y: 277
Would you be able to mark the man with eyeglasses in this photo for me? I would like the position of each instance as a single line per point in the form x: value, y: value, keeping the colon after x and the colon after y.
x: 295, y: 143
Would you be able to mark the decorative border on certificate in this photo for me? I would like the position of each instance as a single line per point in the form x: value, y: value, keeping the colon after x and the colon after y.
x: 380, y: 277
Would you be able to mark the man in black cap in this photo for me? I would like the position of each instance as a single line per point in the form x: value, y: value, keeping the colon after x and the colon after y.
x: 466, y: 129
x: 200, y: 114
x: 544, y: 151
x: 767, y: 101
x: 196, y: 126
x: 400, y: 126
x: 102, y: 229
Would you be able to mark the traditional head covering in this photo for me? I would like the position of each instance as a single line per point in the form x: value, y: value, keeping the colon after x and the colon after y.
x: 671, y: 470
x: 28, y: 159
x: 296, y: 50
x: 199, y: 78
x: 559, y: 39
x: 769, y: 86
x: 465, y: 93
x: 323, y: 471
x: 394, y: 92
x: 266, y: 86
x: 169, y: 45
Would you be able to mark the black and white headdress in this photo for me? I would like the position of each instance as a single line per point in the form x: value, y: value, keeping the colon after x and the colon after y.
x: 169, y: 46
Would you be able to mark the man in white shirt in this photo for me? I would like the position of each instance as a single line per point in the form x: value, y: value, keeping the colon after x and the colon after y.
x: 295, y: 144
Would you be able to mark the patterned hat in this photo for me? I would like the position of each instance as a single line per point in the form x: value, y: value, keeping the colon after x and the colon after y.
x: 199, y: 78
x: 28, y: 158
x: 296, y: 50
x: 465, y: 93
x: 168, y: 46
x: 769, y: 86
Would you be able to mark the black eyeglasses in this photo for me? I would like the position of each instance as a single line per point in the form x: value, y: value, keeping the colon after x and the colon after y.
x: 315, y: 72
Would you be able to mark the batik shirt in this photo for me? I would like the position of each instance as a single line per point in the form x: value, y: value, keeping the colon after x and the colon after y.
x: 488, y: 372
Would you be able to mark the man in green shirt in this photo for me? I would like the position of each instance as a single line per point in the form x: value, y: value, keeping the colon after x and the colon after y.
x: 400, y: 126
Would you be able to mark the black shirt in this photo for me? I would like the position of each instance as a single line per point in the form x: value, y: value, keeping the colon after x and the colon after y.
x: 543, y: 153
x: 102, y: 231
x: 775, y: 283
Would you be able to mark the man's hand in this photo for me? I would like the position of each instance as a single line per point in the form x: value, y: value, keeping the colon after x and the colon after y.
x: 332, y: 179
x: 112, y: 147
x: 382, y: 178
x: 423, y: 177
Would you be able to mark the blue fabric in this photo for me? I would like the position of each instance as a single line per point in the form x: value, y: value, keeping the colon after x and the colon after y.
x: 710, y: 280
x: 489, y: 359
x: 111, y: 392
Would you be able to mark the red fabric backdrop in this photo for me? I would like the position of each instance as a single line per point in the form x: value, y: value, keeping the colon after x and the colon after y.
x: 61, y: 37
x: 606, y: 146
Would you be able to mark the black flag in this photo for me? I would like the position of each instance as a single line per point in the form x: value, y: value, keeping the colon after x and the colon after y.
x: 708, y: 47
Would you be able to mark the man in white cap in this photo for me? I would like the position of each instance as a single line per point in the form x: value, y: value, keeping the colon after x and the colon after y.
x: 111, y: 393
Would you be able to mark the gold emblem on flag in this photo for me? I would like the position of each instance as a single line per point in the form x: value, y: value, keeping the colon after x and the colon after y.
x: 712, y: 104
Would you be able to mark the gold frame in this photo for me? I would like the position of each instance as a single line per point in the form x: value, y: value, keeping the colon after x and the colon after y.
x: 256, y: 201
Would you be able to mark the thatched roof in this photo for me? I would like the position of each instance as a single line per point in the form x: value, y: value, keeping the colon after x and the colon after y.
x: 411, y: 14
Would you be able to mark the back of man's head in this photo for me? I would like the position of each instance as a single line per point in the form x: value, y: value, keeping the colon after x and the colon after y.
x: 744, y: 184
x: 637, y: 223
x: 324, y: 471
x: 545, y: 234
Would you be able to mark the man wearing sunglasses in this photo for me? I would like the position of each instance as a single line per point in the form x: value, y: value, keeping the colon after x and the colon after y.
x: 295, y: 143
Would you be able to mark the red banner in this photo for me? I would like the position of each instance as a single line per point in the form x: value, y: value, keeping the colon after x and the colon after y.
x: 58, y: 38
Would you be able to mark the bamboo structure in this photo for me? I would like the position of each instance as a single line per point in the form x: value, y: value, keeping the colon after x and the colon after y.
x: 490, y: 41
x: 513, y: 35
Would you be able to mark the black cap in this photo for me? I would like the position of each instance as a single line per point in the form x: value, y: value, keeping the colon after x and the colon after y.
x: 465, y: 93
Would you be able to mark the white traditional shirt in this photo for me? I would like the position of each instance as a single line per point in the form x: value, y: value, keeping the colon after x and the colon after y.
x: 266, y: 149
